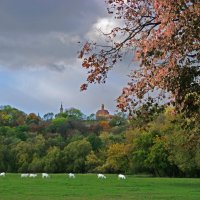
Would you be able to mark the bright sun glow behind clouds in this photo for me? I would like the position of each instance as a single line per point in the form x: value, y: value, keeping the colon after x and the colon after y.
x: 102, y: 25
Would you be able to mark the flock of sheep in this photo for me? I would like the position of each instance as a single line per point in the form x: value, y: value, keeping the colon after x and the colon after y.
x: 44, y: 175
x: 120, y: 176
x: 71, y: 175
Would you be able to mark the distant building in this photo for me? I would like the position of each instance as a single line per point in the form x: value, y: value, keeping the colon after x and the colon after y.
x: 61, y: 108
x: 103, y: 114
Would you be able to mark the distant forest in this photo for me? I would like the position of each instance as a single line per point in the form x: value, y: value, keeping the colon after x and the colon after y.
x: 157, y: 142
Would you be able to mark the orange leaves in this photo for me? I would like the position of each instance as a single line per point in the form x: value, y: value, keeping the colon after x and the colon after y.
x: 86, y: 49
x: 84, y: 87
x: 104, y: 125
x: 156, y: 5
x: 85, y: 64
x: 81, y: 54
x: 126, y: 91
x: 160, y: 34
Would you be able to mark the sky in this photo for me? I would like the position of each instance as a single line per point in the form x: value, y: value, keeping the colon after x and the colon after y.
x: 39, y: 65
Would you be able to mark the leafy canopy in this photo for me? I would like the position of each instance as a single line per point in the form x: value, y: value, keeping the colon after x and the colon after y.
x: 164, y: 37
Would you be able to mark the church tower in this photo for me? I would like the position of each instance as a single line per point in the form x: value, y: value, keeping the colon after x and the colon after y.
x: 61, y: 108
x: 103, y: 113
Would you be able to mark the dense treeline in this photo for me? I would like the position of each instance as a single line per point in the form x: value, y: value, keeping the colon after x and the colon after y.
x: 159, y: 142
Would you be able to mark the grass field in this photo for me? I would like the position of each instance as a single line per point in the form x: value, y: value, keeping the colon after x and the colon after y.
x: 88, y: 187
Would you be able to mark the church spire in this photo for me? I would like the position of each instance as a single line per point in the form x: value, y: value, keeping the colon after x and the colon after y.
x: 61, y: 108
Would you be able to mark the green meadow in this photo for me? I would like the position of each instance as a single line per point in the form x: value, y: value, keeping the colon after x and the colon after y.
x: 87, y: 186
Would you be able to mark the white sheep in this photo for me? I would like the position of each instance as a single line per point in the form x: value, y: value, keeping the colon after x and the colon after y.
x: 32, y: 175
x: 45, y: 175
x: 71, y: 175
x: 24, y: 175
x: 2, y: 174
x: 121, y: 176
x: 101, y: 176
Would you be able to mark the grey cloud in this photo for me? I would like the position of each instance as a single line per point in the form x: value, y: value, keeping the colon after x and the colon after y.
x: 52, y: 49
x: 37, y: 33
x: 47, y: 15
x: 43, y: 34
x: 57, y: 67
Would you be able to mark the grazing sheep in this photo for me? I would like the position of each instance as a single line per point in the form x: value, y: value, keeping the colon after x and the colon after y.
x: 32, y: 175
x: 121, y: 176
x: 71, y: 175
x: 2, y: 174
x: 24, y: 175
x: 45, y: 175
x: 101, y: 176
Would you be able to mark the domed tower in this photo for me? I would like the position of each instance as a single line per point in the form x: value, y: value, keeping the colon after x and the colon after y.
x: 102, y: 114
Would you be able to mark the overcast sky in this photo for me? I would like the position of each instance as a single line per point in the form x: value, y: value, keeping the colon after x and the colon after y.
x: 39, y: 68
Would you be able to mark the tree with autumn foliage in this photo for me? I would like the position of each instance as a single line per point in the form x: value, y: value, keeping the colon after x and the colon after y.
x: 164, y: 38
